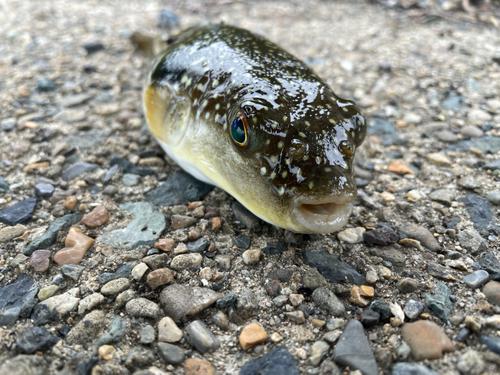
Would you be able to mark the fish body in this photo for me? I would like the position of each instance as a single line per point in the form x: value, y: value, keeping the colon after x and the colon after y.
x: 237, y: 111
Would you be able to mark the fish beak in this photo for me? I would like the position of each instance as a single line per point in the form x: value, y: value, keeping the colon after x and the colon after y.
x: 324, y: 215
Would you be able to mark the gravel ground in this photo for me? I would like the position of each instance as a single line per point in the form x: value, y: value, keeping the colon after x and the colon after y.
x: 167, y: 275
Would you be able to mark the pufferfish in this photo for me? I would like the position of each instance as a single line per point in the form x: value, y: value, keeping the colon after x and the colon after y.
x: 235, y: 110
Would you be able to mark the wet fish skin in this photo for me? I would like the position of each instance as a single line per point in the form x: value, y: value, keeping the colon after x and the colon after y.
x: 296, y: 168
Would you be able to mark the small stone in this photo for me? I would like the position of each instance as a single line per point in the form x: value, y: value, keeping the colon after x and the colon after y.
x: 383, y: 308
x: 412, y: 368
x: 17, y: 299
x: 70, y: 203
x: 19, y: 213
x: 492, y: 292
x: 47, y: 292
x: 226, y: 301
x: 185, y: 261
x: 445, y: 196
x: 98, y: 216
x: 206, y: 273
x: 165, y: 244
x: 332, y: 336
x: 471, y: 363
x: 147, y: 334
x: 77, y: 169
x: 221, y: 320
x: 369, y: 318
x: 142, y: 307
x: 426, y: 340
x: 181, y: 249
x: 156, y: 261
x: 318, y: 351
x: 438, y: 158
x: 408, y: 285
x: 356, y: 297
x: 312, y: 279
x: 171, y: 354
x: 278, y: 361
x: 251, y: 256
x: 331, y: 267
x: 382, y: 236
x: 247, y: 219
x: 328, y: 301
x: 472, y: 241
x: 399, y: 168
x: 180, y: 221
x: 494, y: 197
x: 139, y: 271
x: 180, y: 300
x: 89, y: 302
x: 216, y: 223
x: 9, y: 233
x: 251, y: 335
x: 296, y: 316
x: 138, y: 358
x: 115, y: 286
x: 478, y: 116
x: 413, y: 309
x: 55, y: 307
x: 415, y: 195
x: 124, y: 297
x: 296, y: 299
x: 107, y: 352
x: 384, y: 272
x: 476, y: 279
x: 168, y: 330
x: 44, y: 191
x: 200, y: 337
x: 168, y: 19
x: 35, y: 339
x: 352, y: 235
x: 72, y: 271
x: 422, y: 235
x: 276, y: 337
x: 77, y: 245
x: 87, y: 329
x: 159, y: 277
x: 93, y: 46
x: 371, y: 277
x: 198, y: 246
x: 439, y: 302
x: 130, y: 179
x: 318, y: 323
x: 195, y: 366
x: 40, y: 260
x: 110, y: 190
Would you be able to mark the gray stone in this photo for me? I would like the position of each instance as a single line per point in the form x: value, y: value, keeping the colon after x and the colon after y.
x: 156, y: 261
x: 77, y: 169
x: 481, y: 213
x: 72, y: 271
x: 476, y: 279
x: 198, y: 246
x: 147, y: 334
x: 171, y: 354
x: 446, y: 196
x: 116, y: 331
x: 142, y: 307
x: 25, y: 365
x: 17, y: 299
x: 181, y: 188
x: 422, y: 235
x: 439, y: 303
x: 49, y: 237
x: 87, y: 329
x: 185, y: 261
x: 54, y: 308
x: 45, y: 84
x: 129, y: 168
x: 471, y: 363
x: 19, y: 213
x: 138, y: 358
x: 396, y: 257
x: 318, y: 351
x: 381, y: 236
x: 383, y: 308
x: 327, y: 300
x: 413, y: 309
x: 168, y: 19
x: 3, y: 184
x: 471, y: 131
x: 110, y: 173
x: 245, y: 217
x: 277, y: 362
x: 74, y: 100
x: 353, y: 349
x: 469, y: 182
x: 312, y: 279
x: 115, y: 286
x: 130, y: 179
x: 36, y: 339
x: 181, y: 300
x: 8, y: 124
x: 472, y: 241
x: 494, y: 197
x: 332, y: 268
x: 44, y: 191
x: 412, y: 369
x: 144, y: 229
x: 200, y: 337
x: 446, y: 136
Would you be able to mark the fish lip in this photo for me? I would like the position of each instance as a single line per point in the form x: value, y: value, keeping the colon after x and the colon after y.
x: 322, y: 215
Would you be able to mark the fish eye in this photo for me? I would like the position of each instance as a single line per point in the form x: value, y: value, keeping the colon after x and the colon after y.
x: 239, y: 130
x: 346, y: 148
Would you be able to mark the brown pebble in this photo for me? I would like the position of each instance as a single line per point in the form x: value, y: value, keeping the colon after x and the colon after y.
x: 318, y: 323
x: 216, y: 223
x: 181, y: 221
x: 251, y: 335
x: 70, y: 202
x: 399, y: 168
x: 396, y: 322
x: 408, y: 285
x: 194, y: 234
x: 296, y: 316
x: 165, y: 244
x: 194, y: 205
x: 76, y: 244
x: 210, y: 214
x: 40, y: 260
x: 366, y: 291
x: 195, y: 366
x: 107, y: 352
x: 98, y: 216
x: 426, y: 339
x: 161, y: 276
x: 492, y: 292
x: 356, y: 297
x: 472, y: 324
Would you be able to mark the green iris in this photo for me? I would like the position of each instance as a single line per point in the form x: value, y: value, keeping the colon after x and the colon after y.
x: 238, y: 131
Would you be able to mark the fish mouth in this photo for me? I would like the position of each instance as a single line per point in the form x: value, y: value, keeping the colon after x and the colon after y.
x: 325, y: 215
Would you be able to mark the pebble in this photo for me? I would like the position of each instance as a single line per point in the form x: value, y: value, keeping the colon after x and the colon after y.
x: 408, y: 285
x: 371, y: 277
x: 480, y: 212
x: 70, y: 203
x: 181, y: 221
x: 89, y: 302
x: 124, y: 297
x: 77, y: 245
x: 413, y: 309
x: 296, y: 299
x: 317, y: 351
x: 247, y: 219
x: 478, y: 116
x: 352, y: 235
x: 472, y: 241
x: 24, y: 365
x: 200, y: 337
x: 353, y: 349
x: 221, y: 320
x: 369, y: 318
x: 165, y: 244
x: 412, y: 368
x: 87, y: 329
x: 116, y: 331
x: 147, y: 334
x: 356, y: 297
x: 278, y: 361
x: 471, y: 363
x: 476, y: 279
x: 17, y: 299
x: 469, y: 183
x: 107, y: 352
x: 168, y: 330
x: 332, y: 268
x: 115, y: 286
x: 171, y: 354
x: 206, y: 273
x: 274, y: 249
x: 185, y: 261
x: 439, y: 302
x: 97, y: 217
x: 296, y: 316
x: 47, y: 292
x: 312, y: 279
x: 381, y: 236
x: 139, y: 270
x: 8, y: 124
x: 180, y: 188
x: 251, y: 335
x: 426, y: 340
x: 55, y: 307
x: 251, y: 257
x: 72, y: 271
x: 44, y: 191
x: 19, y: 213
x: 198, y: 246
x: 446, y: 136
x: 142, y: 307
x: 420, y: 234
x: 180, y: 300
x: 144, y: 229
x: 40, y: 260
x: 492, y: 292
x: 494, y: 197
x: 138, y: 358
x: 327, y: 300
x: 159, y: 277
x: 77, y: 169
x: 195, y: 366
x: 493, y: 343
x: 47, y: 239
x: 216, y: 223
x: 9, y: 233
x: 168, y: 19
x: 438, y: 158
x: 445, y: 196
x: 383, y: 308
x: 130, y: 168
x: 94, y: 46
x: 241, y: 241
x: 399, y: 168
x: 35, y: 339
x: 226, y: 301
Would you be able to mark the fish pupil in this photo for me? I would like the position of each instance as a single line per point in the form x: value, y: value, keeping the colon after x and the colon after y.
x: 238, y: 130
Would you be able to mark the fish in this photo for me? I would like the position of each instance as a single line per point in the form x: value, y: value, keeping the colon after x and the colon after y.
x: 237, y: 111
